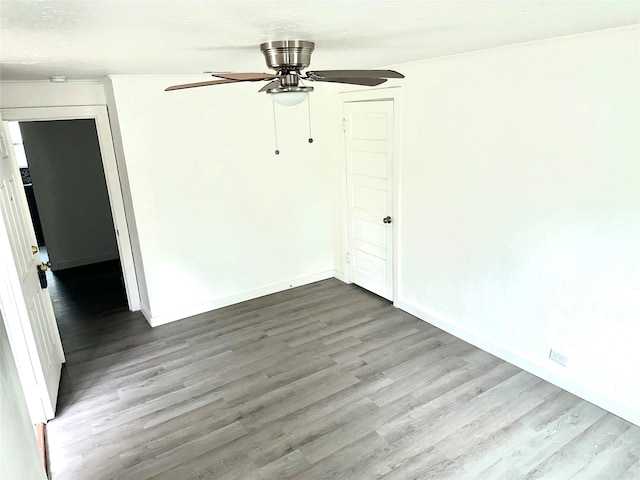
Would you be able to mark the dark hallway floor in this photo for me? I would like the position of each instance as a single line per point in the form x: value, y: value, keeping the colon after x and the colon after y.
x: 82, y: 297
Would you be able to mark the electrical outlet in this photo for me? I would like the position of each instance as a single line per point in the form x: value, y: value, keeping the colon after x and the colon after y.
x: 558, y: 357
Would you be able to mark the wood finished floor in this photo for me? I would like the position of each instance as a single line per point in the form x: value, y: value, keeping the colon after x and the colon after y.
x: 325, y: 381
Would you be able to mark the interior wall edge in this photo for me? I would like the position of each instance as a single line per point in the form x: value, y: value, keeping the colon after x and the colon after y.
x: 603, y: 399
x: 20, y: 457
x: 635, y: 27
x: 123, y: 176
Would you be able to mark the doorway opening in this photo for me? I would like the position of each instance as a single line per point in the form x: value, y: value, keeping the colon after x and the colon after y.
x: 62, y: 174
x: 96, y: 120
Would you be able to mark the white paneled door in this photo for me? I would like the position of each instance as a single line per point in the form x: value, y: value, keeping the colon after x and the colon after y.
x: 27, y: 309
x: 369, y: 155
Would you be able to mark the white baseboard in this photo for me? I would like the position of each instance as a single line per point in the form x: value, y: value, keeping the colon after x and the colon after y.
x: 79, y: 262
x: 340, y: 276
x: 146, y: 312
x: 603, y: 399
x: 158, y: 320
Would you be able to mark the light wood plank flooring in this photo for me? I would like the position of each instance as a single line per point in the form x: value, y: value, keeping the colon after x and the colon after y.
x: 325, y: 381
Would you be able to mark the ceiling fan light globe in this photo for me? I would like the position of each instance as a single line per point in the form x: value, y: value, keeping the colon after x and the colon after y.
x: 290, y: 99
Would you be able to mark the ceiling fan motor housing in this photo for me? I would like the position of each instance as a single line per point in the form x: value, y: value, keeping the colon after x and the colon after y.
x: 286, y: 56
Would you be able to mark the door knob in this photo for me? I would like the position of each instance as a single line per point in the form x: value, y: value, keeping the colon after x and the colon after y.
x: 43, y: 267
x: 34, y: 249
x: 386, y: 220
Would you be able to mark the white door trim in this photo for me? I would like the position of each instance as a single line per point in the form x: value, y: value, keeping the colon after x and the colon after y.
x: 394, y: 94
x: 114, y: 190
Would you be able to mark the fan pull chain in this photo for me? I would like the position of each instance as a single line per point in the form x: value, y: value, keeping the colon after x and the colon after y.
x: 309, y: 111
x: 275, y: 126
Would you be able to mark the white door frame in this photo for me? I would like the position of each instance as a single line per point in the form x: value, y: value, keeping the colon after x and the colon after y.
x: 394, y: 94
x: 114, y: 190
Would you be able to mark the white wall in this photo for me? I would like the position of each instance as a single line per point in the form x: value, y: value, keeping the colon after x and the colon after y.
x: 19, y: 458
x: 71, y: 192
x: 219, y: 217
x: 519, y: 218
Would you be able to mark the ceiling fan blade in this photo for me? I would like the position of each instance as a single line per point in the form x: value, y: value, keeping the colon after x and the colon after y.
x: 369, y: 82
x: 247, y: 77
x: 323, y: 74
x: 270, y: 85
x: 198, y: 84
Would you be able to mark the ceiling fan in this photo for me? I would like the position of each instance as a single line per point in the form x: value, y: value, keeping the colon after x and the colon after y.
x: 288, y: 58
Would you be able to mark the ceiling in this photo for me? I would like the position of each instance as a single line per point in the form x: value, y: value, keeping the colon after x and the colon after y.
x: 93, y: 38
